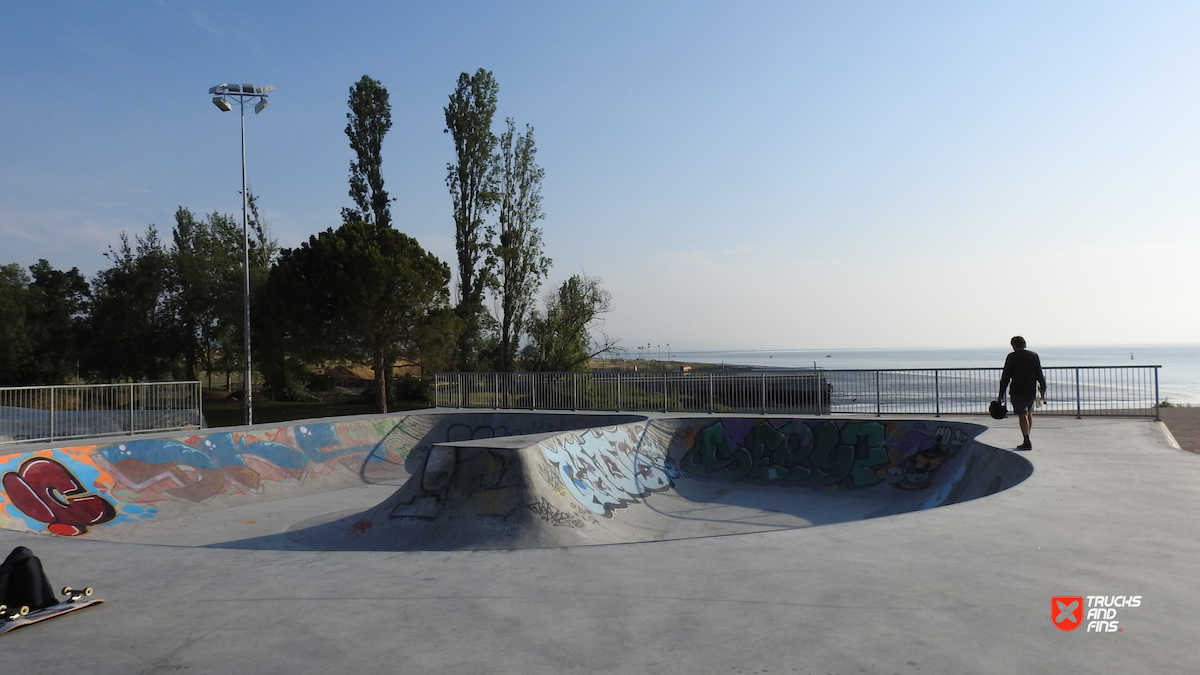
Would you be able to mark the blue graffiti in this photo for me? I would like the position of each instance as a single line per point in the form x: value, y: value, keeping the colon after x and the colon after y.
x: 220, y: 458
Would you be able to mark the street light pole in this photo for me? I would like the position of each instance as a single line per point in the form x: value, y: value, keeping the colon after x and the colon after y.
x: 243, y: 93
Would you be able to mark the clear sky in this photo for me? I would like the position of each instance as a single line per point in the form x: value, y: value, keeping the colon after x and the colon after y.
x: 740, y: 175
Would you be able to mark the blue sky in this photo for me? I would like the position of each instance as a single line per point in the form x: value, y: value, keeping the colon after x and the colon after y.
x: 741, y: 175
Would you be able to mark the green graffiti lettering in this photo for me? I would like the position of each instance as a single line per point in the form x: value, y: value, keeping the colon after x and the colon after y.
x: 717, y: 458
x: 765, y: 443
x: 865, y: 440
x: 832, y: 461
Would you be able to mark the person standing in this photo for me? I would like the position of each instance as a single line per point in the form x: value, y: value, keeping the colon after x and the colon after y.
x: 1023, y: 370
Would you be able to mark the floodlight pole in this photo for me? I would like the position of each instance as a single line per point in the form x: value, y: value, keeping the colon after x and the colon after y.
x: 242, y: 93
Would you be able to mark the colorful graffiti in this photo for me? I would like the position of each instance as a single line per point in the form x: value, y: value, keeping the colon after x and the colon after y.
x: 608, y: 468
x: 847, y: 454
x: 45, y: 490
x: 590, y: 473
x: 68, y: 491
x: 196, y: 472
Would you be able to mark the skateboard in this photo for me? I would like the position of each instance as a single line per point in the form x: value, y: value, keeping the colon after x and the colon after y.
x: 12, y: 618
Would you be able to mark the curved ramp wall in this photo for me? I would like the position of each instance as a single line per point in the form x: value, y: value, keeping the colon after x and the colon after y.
x: 669, y: 478
x: 103, y: 490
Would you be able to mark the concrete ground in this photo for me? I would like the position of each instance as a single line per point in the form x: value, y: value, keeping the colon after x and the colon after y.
x: 1109, y: 510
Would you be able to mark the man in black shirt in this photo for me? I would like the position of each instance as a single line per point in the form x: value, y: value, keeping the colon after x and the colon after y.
x: 1023, y: 369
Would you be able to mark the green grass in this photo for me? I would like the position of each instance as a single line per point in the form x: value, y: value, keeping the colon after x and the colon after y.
x: 229, y: 413
x: 1166, y: 403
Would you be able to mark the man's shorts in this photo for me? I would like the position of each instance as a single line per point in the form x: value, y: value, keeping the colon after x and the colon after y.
x: 1022, y: 403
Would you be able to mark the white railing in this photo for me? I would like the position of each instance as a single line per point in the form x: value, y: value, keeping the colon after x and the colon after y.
x: 51, y: 413
x: 1127, y: 391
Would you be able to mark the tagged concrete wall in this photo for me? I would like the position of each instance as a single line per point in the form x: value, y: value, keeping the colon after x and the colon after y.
x: 444, y: 481
x: 98, y: 489
x: 669, y: 478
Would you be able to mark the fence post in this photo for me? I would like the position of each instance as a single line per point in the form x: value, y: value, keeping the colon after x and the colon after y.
x: 132, y: 394
x: 618, y: 391
x: 574, y: 392
x: 709, y: 392
x: 1079, y: 406
x: 1156, y: 413
x: 878, y: 409
x: 664, y: 381
x: 937, y: 395
x: 764, y: 392
x: 52, y: 406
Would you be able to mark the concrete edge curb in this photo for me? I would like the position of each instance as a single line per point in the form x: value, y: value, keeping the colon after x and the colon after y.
x: 1170, y: 438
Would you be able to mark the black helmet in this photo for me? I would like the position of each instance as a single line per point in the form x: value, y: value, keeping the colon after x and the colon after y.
x: 998, y: 410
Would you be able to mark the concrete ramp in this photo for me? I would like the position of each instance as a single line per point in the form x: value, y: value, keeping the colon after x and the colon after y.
x: 667, y: 478
x: 218, y: 485
x: 498, y: 480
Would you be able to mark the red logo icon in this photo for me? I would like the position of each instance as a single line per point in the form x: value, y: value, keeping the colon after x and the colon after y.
x: 1066, y: 611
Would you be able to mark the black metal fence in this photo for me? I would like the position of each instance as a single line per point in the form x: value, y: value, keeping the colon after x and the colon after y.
x: 1126, y: 391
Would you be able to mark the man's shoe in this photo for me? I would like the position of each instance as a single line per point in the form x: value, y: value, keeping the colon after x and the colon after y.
x: 1025, y: 446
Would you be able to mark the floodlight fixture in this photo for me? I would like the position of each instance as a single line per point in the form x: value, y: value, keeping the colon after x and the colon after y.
x: 262, y: 103
x: 221, y: 103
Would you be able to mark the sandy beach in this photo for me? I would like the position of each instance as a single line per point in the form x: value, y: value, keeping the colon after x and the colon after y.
x: 1184, y: 424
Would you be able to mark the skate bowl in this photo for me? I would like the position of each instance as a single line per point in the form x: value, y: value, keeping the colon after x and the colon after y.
x: 437, y: 480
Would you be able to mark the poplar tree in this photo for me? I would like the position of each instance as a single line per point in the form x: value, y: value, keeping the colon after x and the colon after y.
x: 517, y: 253
x: 370, y: 118
x: 472, y: 187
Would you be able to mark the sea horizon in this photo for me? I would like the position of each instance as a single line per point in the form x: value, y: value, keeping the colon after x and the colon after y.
x: 1179, y: 364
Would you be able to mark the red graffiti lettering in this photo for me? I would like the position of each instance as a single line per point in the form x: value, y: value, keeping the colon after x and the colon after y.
x: 48, y: 492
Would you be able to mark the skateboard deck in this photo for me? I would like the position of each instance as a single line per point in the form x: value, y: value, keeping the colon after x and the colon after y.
x: 76, y: 599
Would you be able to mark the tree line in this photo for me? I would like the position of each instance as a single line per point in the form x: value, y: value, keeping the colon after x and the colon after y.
x: 363, y: 293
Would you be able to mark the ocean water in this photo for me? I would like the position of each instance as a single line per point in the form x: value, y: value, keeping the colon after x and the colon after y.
x: 1179, y: 376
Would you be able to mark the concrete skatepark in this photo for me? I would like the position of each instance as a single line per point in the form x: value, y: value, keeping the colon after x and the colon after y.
x: 456, y: 541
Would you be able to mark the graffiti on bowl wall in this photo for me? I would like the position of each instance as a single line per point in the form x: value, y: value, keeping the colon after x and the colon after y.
x: 608, y: 468
x: 67, y: 491
x: 819, y: 453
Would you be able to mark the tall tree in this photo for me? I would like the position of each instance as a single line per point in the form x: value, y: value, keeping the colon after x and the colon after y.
x: 132, y: 328
x: 263, y: 249
x: 562, y: 337
x: 207, y: 261
x: 195, y: 292
x: 517, y: 254
x: 362, y: 292
x: 472, y: 187
x: 15, y: 346
x: 370, y: 118
x: 54, y: 319
x: 263, y: 252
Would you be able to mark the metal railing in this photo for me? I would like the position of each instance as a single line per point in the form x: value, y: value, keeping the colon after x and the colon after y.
x: 1125, y: 391
x: 51, y: 413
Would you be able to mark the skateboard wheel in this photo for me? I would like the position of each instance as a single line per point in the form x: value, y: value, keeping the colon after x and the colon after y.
x: 87, y: 591
x: 24, y: 610
x: 66, y: 590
